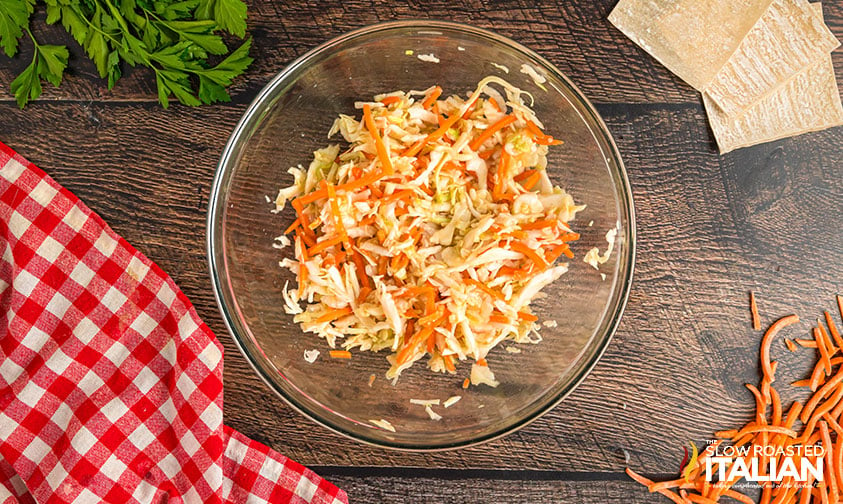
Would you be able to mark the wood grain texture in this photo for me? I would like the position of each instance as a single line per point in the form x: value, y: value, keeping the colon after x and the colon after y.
x: 409, y: 488
x: 574, y: 36
x: 710, y: 229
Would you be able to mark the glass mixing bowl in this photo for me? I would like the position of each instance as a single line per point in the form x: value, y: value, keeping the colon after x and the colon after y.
x: 290, y: 118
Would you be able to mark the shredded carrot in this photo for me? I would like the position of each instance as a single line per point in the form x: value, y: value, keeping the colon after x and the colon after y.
x: 340, y: 354
x: 524, y: 175
x: 805, y: 343
x: 466, y: 383
x: 826, y: 339
x: 558, y: 251
x: 529, y: 253
x: 529, y: 317
x: 765, y: 349
x: 801, y: 383
x: 491, y: 130
x: 790, y: 345
x: 753, y: 307
x: 495, y: 104
x: 819, y: 419
x: 383, y: 155
x: 531, y: 181
x: 437, y: 91
x: 332, y: 315
x: 449, y: 363
x: 325, y: 245
x: 540, y: 224
x: 824, y: 354
x: 832, y: 328
x: 485, y: 288
x: 296, y: 223
x: 389, y: 100
x: 498, y: 318
x: 482, y: 362
x: 418, y: 146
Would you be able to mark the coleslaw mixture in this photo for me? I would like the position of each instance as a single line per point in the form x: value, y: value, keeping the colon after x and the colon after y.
x: 432, y: 231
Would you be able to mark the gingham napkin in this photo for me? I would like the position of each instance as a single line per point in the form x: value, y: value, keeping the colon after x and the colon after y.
x: 110, y: 384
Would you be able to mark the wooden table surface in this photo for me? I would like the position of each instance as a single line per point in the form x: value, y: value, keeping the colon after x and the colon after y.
x: 710, y: 228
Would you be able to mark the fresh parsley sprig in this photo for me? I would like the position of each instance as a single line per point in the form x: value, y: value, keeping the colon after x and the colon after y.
x: 174, y: 38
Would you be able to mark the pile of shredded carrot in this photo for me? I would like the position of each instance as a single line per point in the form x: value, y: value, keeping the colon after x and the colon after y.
x: 814, y: 422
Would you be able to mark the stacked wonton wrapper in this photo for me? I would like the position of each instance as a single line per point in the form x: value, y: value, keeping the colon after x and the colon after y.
x: 763, y: 66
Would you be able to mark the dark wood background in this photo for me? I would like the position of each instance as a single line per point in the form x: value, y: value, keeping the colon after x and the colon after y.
x: 711, y: 228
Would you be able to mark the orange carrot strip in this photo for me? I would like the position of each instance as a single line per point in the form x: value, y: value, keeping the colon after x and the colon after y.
x: 833, y: 330
x: 437, y: 91
x: 500, y: 175
x: 485, y: 288
x: 405, y: 195
x: 325, y: 244
x: 817, y: 376
x: 766, y: 341
x: 824, y: 358
x: 389, y: 100
x: 539, y: 224
x: 495, y: 104
x: 699, y: 499
x: 466, y: 383
x: 449, y: 363
x: 335, y: 212
x: 340, y: 354
x: 334, y: 314
x: 529, y: 317
x: 311, y: 197
x: 838, y: 450
x: 829, y: 460
x: 418, y: 146
x: 558, y: 251
x: 777, y: 407
x: 790, y: 345
x: 531, y: 181
x: 820, y: 394
x: 366, y: 180
x: 805, y: 343
x: 753, y: 307
x: 470, y: 109
x: 826, y: 339
x: 383, y: 155
x: 361, y: 268
x: 482, y: 362
x: 801, y: 383
x: 524, y: 175
x: 778, y: 429
x: 296, y: 223
x: 498, y: 318
x: 745, y: 499
x: 529, y: 253
x: 491, y: 130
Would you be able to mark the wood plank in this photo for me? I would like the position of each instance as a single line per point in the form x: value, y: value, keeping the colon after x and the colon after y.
x: 575, y: 36
x: 710, y: 228
x: 452, y: 489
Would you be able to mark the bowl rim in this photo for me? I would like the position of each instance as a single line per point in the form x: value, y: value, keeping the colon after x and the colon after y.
x: 253, y: 110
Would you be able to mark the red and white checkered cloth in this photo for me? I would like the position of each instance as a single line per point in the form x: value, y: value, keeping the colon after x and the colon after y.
x: 110, y: 384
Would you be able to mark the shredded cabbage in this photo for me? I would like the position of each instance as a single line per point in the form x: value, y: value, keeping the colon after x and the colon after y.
x: 432, y: 231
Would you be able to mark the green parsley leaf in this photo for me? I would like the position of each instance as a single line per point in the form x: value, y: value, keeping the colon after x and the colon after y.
x: 14, y: 18
x: 231, y: 16
x: 173, y: 38
x: 27, y: 85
